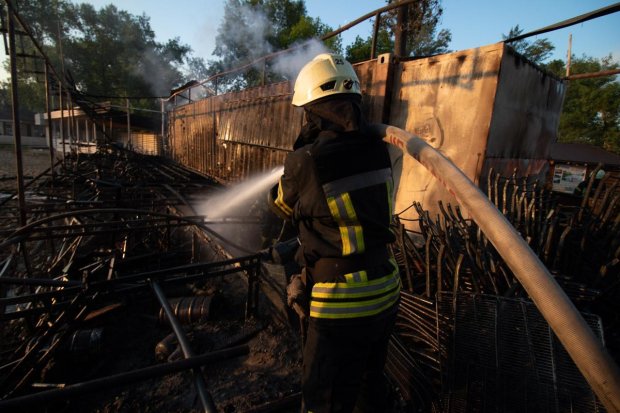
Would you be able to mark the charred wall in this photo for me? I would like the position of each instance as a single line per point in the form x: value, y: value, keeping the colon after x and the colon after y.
x: 229, y: 137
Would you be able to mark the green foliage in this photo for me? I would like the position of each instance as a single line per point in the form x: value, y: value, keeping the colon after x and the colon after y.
x: 422, y: 38
x: 105, y: 53
x: 251, y: 29
x: 591, y: 112
x: 537, y: 51
x: 360, y: 49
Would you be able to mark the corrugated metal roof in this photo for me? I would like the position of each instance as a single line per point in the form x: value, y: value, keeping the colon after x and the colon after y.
x: 583, y: 153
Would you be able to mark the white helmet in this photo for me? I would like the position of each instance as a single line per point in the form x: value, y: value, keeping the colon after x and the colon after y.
x: 327, y: 74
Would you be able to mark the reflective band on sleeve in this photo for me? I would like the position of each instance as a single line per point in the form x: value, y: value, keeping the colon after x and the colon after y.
x: 280, y: 201
x: 363, y: 180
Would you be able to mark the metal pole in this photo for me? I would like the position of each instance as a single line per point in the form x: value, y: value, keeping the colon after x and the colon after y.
x: 200, y: 383
x: 163, y: 123
x: 121, y: 379
x: 400, y: 35
x: 602, y: 73
x: 49, y: 120
x: 17, y: 138
x: 375, y: 34
x: 568, y: 54
x: 62, y: 123
x: 129, y: 145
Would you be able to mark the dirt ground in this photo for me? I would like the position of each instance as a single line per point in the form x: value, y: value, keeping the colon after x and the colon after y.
x: 34, y: 162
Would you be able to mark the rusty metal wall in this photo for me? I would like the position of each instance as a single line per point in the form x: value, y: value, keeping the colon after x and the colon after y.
x: 448, y: 101
x: 526, y: 115
x: 232, y: 136
x: 479, y: 107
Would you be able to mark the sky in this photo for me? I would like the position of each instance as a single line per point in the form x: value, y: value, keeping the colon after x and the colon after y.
x: 473, y: 23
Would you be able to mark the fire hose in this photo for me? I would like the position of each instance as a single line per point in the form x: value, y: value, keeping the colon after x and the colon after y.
x: 585, y: 349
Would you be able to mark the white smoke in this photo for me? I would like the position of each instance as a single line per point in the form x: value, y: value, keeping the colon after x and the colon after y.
x: 289, y: 64
x: 248, y: 26
x: 158, y: 71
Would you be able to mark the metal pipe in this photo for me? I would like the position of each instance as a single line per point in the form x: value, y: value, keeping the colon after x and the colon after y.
x: 367, y: 16
x: 17, y: 137
x: 375, y: 34
x: 62, y: 124
x: 49, y: 121
x: 199, y: 380
x: 400, y: 35
x: 121, y: 379
x: 253, y: 63
x: 613, y: 8
x: 37, y: 281
x: 129, y: 144
x: 129, y: 283
x: 586, y: 350
x: 602, y: 73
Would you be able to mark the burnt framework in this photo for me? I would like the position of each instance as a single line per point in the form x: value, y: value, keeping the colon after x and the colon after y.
x: 468, y: 337
x: 86, y: 254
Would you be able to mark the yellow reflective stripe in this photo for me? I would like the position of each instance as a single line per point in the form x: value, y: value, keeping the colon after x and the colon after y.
x: 359, y: 276
x: 355, y: 290
x: 351, y: 233
x: 348, y: 206
x: 359, y: 237
x: 387, y: 286
x: 344, y: 232
x: 354, y: 309
x: 358, y: 245
x: 280, y: 201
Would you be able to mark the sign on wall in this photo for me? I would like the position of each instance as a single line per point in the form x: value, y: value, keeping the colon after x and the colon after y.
x: 567, y: 177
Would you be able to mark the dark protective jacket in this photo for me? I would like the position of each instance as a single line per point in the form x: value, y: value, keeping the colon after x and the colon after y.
x: 337, y: 189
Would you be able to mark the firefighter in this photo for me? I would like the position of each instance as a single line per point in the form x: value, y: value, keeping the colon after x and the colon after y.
x: 337, y: 189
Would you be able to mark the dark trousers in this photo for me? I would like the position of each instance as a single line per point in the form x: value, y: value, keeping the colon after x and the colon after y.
x: 343, y: 365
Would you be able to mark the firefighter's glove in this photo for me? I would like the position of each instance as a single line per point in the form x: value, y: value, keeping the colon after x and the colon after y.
x: 296, y: 292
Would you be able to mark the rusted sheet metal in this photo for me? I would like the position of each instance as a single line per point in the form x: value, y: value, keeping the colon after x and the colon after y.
x: 232, y: 136
x: 484, y: 107
x: 448, y: 101
x: 376, y: 84
x: 526, y: 112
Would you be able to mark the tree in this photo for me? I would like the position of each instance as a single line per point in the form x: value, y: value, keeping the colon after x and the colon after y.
x: 251, y: 29
x: 591, y: 112
x: 537, y: 51
x: 360, y: 49
x: 420, y: 27
x: 106, y: 52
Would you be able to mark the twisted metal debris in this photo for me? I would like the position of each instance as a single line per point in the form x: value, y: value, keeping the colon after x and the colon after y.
x: 468, y: 337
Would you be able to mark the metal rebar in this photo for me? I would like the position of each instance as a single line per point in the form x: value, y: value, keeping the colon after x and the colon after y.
x: 122, y: 378
x: 133, y: 282
x: 199, y: 380
x: 17, y: 138
x: 49, y: 120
